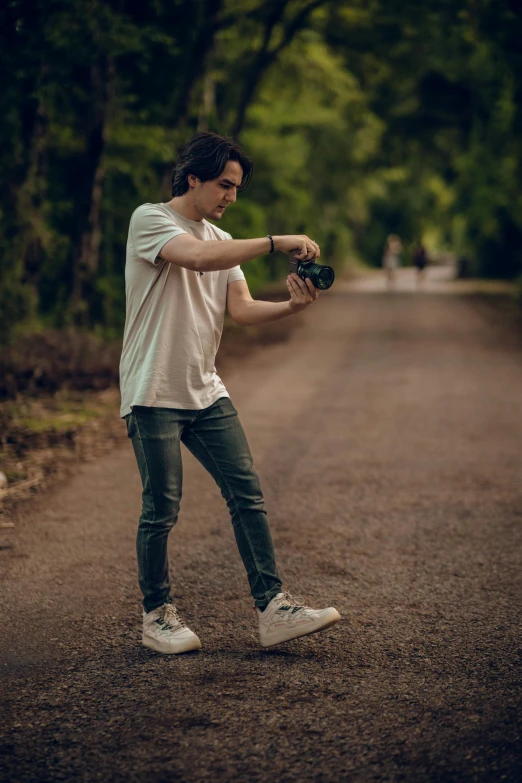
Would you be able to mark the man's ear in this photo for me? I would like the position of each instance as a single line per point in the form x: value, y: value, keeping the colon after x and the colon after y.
x: 192, y: 179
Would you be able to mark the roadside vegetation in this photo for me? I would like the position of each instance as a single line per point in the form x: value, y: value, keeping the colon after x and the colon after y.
x: 363, y: 118
x: 60, y: 399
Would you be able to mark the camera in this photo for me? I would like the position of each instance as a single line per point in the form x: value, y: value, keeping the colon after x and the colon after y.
x: 321, y: 276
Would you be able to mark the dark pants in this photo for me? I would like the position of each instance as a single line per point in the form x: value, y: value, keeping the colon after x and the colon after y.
x: 216, y: 438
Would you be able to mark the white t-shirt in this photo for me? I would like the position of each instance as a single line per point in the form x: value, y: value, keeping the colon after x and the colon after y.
x: 174, y: 317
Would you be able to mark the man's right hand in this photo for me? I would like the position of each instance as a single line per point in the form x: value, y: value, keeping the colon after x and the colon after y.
x: 213, y: 255
x: 298, y: 245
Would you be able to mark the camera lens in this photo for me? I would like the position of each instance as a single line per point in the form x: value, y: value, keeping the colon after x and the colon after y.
x: 323, y: 277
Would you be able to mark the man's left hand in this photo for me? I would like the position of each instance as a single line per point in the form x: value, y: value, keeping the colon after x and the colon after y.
x: 302, y: 292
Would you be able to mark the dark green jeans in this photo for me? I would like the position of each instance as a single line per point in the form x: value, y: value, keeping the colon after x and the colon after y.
x: 216, y: 438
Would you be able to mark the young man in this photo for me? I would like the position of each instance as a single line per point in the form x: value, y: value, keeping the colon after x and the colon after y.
x: 181, y: 273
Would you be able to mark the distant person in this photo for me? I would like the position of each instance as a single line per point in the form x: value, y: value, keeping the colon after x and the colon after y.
x: 391, y: 259
x: 181, y: 273
x: 420, y: 262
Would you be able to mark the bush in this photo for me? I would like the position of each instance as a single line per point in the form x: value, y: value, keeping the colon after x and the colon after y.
x: 52, y: 360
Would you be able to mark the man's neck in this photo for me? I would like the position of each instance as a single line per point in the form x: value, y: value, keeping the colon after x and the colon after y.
x: 184, y: 206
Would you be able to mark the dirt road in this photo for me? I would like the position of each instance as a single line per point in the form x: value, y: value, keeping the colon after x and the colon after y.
x: 387, y: 433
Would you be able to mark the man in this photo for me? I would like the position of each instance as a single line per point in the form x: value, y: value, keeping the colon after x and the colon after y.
x: 181, y: 273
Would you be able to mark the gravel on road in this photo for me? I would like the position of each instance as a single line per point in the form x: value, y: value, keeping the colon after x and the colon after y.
x: 387, y: 433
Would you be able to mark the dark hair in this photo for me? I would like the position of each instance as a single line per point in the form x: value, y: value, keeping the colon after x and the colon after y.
x: 205, y: 155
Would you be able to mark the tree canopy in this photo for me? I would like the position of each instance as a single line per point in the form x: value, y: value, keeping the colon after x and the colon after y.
x: 362, y: 118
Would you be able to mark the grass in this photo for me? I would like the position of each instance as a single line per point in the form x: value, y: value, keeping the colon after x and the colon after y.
x: 51, y: 413
x: 55, y: 421
x: 39, y: 433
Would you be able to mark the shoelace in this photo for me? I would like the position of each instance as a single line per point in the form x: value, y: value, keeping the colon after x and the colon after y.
x: 171, y: 618
x: 295, y: 603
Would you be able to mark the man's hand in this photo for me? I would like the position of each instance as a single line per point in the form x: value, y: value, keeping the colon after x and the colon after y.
x: 302, y: 292
x: 298, y: 245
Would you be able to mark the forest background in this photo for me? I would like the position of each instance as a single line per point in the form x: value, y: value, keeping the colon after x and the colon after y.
x: 362, y: 118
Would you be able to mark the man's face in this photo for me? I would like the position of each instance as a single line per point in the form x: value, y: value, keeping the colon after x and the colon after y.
x: 211, y: 198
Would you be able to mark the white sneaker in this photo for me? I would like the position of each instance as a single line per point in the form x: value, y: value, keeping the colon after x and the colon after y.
x: 288, y: 618
x: 165, y: 631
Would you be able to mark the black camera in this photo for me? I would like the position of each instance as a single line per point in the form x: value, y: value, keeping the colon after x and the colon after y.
x: 321, y: 276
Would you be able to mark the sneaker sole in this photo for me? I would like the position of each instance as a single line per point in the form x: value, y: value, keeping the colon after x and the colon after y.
x: 167, y: 649
x: 332, y: 618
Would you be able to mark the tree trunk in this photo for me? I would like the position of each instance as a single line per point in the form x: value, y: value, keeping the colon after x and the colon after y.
x: 202, y: 45
x: 87, y: 250
x: 196, y: 60
x: 30, y: 200
x: 208, y: 102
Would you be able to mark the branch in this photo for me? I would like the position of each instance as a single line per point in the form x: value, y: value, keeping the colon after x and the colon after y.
x: 266, y: 56
x: 230, y: 19
x: 295, y: 25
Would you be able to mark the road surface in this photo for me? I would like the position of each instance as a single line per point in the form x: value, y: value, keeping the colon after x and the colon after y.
x: 387, y: 433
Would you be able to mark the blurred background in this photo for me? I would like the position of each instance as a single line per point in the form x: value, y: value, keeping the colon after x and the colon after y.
x: 363, y: 117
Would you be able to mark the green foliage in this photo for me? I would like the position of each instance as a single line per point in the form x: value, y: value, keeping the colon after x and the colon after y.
x: 362, y: 119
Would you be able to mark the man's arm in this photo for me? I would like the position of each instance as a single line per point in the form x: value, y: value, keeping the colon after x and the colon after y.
x: 246, y: 311
x: 215, y: 254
